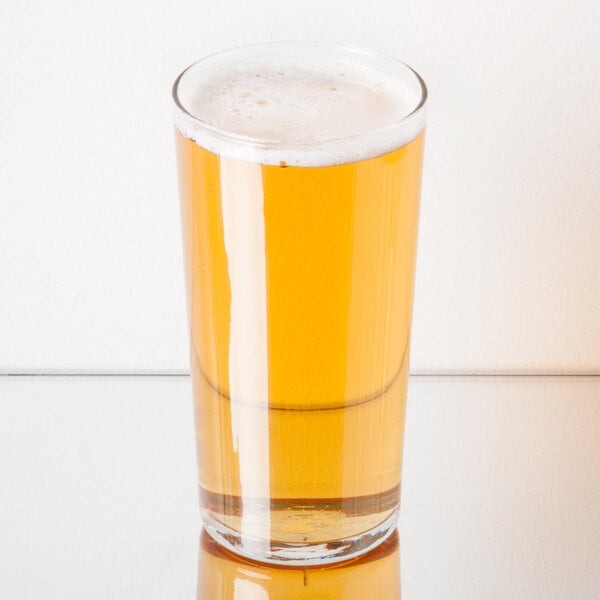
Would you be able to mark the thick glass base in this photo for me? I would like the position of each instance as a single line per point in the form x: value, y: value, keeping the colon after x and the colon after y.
x: 299, y: 553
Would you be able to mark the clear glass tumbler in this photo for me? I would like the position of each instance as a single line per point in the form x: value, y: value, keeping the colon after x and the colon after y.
x: 299, y: 169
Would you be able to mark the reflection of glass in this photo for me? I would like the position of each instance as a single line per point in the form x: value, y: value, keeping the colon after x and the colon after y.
x: 300, y: 168
x: 224, y: 576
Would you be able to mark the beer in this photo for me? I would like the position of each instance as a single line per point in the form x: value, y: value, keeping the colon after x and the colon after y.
x: 300, y: 257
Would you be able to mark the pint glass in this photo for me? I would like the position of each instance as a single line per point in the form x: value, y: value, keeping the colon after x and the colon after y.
x: 299, y: 170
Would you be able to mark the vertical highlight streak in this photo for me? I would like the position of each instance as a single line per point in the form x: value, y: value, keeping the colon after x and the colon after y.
x: 244, y: 236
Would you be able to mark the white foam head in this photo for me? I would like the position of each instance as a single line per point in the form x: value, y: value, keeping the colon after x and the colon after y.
x: 302, y: 104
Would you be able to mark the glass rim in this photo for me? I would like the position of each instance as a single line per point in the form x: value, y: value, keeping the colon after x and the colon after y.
x: 417, y: 113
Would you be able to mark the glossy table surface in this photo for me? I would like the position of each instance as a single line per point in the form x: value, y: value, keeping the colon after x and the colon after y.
x: 500, y: 500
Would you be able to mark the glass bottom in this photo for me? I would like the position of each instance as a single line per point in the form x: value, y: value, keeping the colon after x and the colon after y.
x: 299, y: 553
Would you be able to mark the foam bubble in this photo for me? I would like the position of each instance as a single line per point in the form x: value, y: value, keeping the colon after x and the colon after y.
x: 299, y: 108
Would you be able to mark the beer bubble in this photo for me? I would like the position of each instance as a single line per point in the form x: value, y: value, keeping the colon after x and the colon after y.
x: 300, y: 110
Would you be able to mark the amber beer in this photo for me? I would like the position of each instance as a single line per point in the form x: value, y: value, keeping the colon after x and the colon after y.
x: 300, y: 252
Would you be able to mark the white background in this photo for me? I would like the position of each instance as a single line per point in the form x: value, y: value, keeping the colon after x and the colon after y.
x: 509, y: 261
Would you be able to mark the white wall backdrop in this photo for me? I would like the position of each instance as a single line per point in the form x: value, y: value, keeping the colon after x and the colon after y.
x: 509, y: 259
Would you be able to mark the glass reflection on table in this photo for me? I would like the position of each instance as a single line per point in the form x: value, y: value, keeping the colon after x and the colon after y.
x: 224, y: 576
